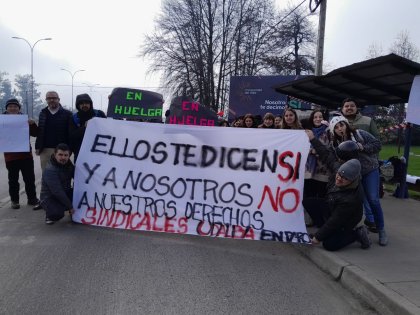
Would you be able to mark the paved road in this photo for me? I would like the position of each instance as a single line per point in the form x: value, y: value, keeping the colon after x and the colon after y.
x: 71, y: 268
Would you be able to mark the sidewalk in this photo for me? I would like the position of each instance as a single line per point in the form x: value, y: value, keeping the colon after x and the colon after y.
x: 387, y: 278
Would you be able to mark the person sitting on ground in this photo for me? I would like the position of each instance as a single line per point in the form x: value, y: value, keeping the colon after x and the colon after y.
x: 78, y: 123
x: 369, y: 148
x: 344, y: 202
x: 56, y: 189
x: 22, y: 162
x: 268, y: 121
x: 350, y: 110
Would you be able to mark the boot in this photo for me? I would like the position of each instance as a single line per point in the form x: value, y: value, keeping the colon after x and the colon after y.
x: 383, y: 238
x: 363, y: 237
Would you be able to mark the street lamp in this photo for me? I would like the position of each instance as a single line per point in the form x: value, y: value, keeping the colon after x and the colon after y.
x: 32, y: 67
x: 91, y: 86
x: 72, y: 82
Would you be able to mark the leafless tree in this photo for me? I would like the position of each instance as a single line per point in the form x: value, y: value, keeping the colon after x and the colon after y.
x: 295, y: 42
x: 403, y: 47
x: 375, y: 50
x: 199, y: 44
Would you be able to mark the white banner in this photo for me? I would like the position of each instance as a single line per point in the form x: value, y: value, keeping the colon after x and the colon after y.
x: 221, y: 182
x: 413, y: 106
x: 14, y: 133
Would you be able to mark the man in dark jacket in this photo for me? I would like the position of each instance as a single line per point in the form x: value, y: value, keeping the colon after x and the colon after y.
x: 344, y: 202
x: 22, y: 162
x: 53, y: 128
x: 56, y: 189
x: 78, y: 123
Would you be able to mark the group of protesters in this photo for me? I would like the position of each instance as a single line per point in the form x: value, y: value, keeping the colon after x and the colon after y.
x: 59, y: 133
x: 341, y: 188
x: 343, y: 150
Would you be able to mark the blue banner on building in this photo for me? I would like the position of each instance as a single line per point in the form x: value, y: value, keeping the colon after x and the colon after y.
x: 256, y: 95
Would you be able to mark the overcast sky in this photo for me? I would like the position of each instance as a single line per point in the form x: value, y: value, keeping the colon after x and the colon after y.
x: 103, y: 38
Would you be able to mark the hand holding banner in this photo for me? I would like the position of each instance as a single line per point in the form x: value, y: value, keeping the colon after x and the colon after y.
x: 220, y: 182
x: 14, y: 133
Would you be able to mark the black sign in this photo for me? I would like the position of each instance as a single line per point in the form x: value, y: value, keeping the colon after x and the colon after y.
x: 185, y: 111
x: 135, y: 104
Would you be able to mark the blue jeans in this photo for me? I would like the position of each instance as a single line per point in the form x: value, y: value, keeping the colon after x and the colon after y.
x: 368, y: 211
x: 370, y: 182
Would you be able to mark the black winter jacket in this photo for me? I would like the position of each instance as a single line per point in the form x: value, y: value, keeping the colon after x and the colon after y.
x: 56, y: 183
x: 63, y: 116
x: 77, y: 130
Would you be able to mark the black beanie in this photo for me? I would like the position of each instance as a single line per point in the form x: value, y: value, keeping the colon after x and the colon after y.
x: 13, y: 101
x: 83, y: 98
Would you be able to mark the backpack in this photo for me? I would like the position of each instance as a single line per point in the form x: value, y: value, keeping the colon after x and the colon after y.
x: 399, y: 168
x: 386, y: 170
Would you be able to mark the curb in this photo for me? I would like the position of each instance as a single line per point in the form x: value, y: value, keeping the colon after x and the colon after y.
x: 357, y: 281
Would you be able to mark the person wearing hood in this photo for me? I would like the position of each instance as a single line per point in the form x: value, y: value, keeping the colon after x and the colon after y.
x: 78, y: 123
x: 22, y: 162
x: 344, y: 200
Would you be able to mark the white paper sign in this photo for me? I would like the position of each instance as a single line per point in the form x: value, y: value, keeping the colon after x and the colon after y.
x: 413, y: 106
x: 14, y: 133
x: 222, y: 182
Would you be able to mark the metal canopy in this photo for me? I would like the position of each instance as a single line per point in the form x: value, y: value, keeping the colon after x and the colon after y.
x: 380, y: 81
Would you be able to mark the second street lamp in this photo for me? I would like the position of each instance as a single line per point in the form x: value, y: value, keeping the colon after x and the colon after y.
x: 72, y: 82
x: 32, y: 68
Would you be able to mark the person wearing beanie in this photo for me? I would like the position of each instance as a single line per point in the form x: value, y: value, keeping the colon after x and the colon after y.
x: 369, y: 148
x: 340, y: 215
x: 13, y: 101
x: 22, y: 162
x: 334, y: 121
x: 355, y: 119
x: 53, y: 128
x: 78, y: 123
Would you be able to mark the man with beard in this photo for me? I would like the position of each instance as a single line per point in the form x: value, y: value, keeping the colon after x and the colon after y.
x: 56, y: 190
x: 356, y: 120
x: 78, y: 123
